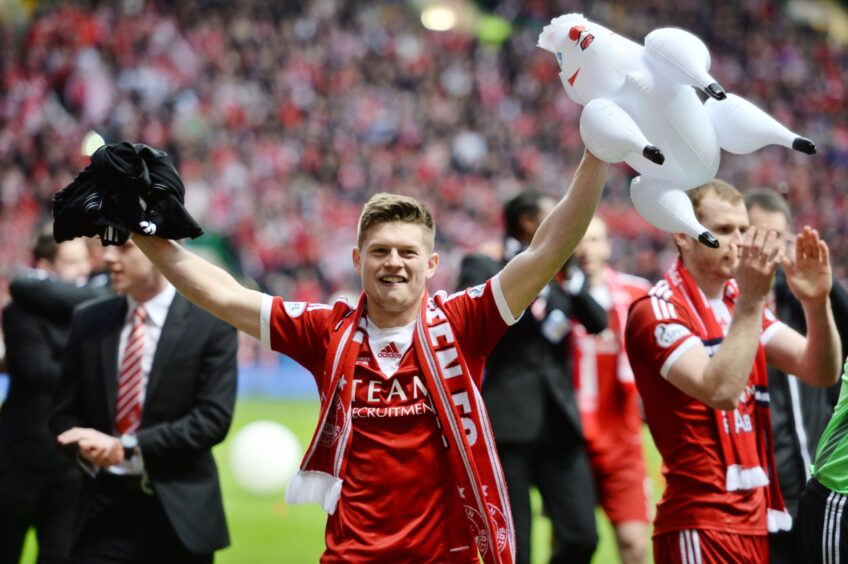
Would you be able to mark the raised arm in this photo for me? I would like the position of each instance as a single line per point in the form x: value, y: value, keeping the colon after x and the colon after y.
x: 523, y: 277
x: 816, y: 358
x: 204, y: 284
x: 53, y: 299
x: 719, y: 380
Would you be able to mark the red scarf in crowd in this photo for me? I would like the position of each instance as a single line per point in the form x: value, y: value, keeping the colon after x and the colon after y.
x: 461, y: 415
x: 749, y: 462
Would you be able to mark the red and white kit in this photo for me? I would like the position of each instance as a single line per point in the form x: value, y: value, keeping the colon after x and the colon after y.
x: 716, y: 463
x: 400, y: 499
x: 609, y: 403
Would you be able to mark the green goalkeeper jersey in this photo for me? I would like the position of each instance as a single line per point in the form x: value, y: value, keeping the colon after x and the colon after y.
x: 831, y: 465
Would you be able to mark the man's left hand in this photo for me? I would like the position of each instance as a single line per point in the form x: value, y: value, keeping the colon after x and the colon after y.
x: 809, y: 277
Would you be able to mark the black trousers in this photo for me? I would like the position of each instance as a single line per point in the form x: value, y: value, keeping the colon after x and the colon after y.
x: 564, y: 479
x: 822, y: 517
x: 44, y: 498
x: 126, y: 525
x: 786, y: 547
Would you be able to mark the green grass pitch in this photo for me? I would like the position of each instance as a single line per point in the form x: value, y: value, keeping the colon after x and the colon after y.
x: 266, y: 530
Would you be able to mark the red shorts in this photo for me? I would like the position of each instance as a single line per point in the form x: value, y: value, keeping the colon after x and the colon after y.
x: 621, y: 480
x: 704, y: 546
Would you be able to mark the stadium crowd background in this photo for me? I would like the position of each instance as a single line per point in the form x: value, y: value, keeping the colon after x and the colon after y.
x: 284, y: 116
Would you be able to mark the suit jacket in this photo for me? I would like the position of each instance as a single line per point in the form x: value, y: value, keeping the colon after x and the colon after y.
x: 188, y: 408
x: 800, y: 412
x: 527, y: 385
x: 34, y: 343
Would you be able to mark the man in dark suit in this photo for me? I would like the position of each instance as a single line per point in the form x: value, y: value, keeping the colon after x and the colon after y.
x: 799, y: 412
x: 528, y: 392
x: 38, y: 487
x: 147, y: 389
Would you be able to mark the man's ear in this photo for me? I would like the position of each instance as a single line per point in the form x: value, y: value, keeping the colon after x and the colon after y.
x: 682, y: 242
x: 43, y: 264
x: 432, y: 264
x: 356, y: 256
x: 528, y: 224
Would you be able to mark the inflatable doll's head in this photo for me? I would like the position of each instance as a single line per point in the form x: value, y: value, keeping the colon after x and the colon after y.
x: 587, y: 57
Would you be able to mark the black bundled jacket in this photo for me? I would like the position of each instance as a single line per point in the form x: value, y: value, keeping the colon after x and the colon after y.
x: 127, y: 187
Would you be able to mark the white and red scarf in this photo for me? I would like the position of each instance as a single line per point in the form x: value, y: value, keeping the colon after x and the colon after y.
x: 461, y: 415
x: 749, y: 462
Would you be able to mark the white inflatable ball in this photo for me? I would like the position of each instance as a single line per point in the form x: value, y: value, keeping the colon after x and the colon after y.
x: 264, y: 455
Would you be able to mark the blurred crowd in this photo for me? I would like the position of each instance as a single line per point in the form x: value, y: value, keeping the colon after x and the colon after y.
x: 283, y: 117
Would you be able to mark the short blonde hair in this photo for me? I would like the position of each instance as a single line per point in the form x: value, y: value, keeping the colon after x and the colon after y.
x: 387, y: 208
x: 721, y: 189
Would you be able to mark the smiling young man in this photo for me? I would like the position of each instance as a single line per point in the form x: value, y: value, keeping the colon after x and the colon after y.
x: 698, y: 345
x: 403, y: 459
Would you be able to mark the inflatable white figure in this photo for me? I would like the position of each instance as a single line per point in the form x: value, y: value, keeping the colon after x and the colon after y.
x: 639, y: 107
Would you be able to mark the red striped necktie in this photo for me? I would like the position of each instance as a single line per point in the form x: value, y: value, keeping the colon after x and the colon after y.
x: 130, y: 382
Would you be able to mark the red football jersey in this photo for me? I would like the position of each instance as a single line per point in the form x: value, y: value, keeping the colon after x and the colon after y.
x: 606, y: 392
x: 398, y: 502
x: 659, y: 330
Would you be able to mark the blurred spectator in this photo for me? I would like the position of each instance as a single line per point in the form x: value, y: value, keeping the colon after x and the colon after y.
x: 608, y: 400
x: 799, y: 412
x: 283, y: 115
x: 529, y: 394
x: 35, y: 480
x: 819, y: 526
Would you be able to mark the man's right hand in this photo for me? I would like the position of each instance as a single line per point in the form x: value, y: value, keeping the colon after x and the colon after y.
x: 760, y: 253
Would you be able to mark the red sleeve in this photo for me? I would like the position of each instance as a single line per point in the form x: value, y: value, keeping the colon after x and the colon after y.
x: 479, y: 316
x: 657, y: 334
x: 299, y: 330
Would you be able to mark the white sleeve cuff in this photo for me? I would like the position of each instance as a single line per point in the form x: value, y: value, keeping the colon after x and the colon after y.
x: 265, y: 320
x: 500, y: 301
x: 771, y: 332
x: 677, y: 353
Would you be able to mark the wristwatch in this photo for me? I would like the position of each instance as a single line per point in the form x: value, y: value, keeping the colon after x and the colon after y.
x: 130, y: 444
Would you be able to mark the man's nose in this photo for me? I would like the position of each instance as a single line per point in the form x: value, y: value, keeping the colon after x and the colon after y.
x: 393, y: 258
x: 110, y: 254
x: 737, y: 237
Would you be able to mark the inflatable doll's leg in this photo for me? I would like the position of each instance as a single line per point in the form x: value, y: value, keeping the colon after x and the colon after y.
x: 742, y: 128
x: 667, y: 207
x: 681, y: 57
x: 611, y: 134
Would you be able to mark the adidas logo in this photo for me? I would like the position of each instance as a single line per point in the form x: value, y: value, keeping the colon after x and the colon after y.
x: 389, y: 351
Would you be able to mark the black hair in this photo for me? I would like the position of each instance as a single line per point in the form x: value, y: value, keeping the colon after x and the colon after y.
x: 524, y: 204
x: 45, y: 246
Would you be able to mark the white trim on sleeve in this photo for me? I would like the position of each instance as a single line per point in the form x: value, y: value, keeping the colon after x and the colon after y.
x: 770, y: 332
x: 500, y: 301
x: 677, y: 353
x: 265, y: 320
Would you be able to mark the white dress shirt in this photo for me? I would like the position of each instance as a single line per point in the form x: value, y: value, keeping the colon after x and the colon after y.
x: 157, y: 310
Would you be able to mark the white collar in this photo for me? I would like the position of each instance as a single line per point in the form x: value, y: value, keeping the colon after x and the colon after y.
x: 157, y: 307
